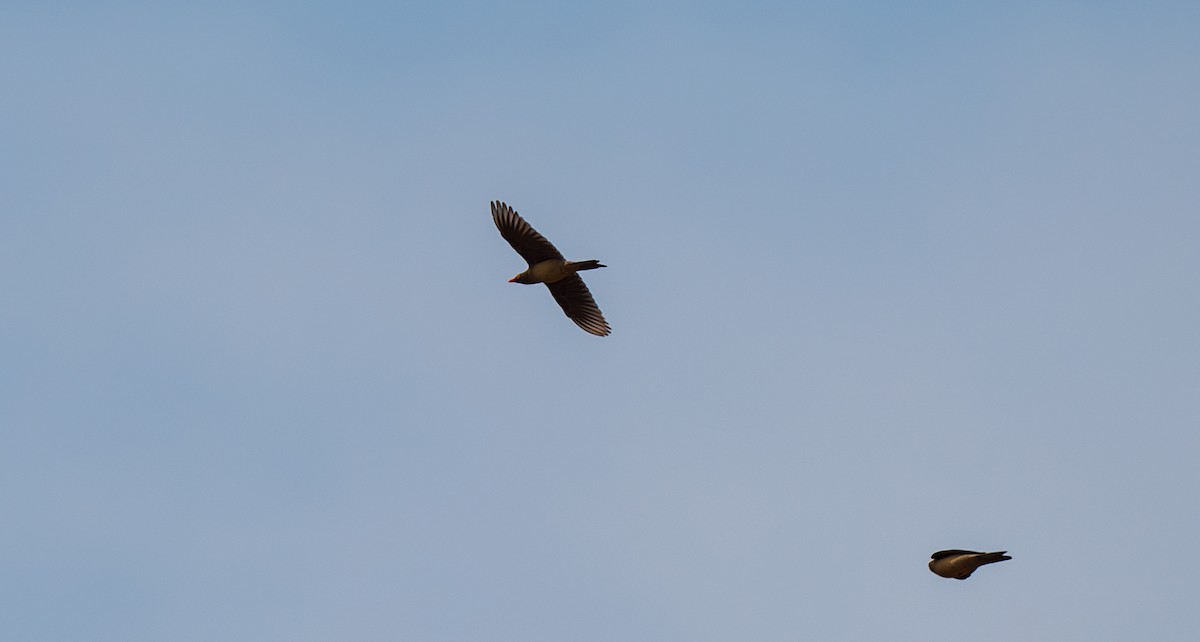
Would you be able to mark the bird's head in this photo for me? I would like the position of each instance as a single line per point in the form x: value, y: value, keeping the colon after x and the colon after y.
x: 520, y: 278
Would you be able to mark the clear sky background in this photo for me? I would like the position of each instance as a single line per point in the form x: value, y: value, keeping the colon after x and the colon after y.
x: 884, y: 278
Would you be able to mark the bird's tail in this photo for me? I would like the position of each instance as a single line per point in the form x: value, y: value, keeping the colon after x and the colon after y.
x: 990, y: 558
x: 585, y: 265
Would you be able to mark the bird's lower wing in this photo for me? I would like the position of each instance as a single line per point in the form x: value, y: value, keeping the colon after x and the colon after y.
x: 578, y: 304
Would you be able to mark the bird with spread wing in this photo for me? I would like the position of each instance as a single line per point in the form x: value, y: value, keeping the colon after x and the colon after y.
x: 547, y: 265
x: 959, y: 564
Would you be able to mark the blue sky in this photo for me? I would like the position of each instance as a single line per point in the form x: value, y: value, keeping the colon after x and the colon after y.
x: 882, y: 279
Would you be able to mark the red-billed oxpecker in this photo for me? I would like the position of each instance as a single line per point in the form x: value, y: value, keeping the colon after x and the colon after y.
x: 547, y: 265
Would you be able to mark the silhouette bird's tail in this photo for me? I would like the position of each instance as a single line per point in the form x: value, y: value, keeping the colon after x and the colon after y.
x: 585, y: 265
x: 990, y: 558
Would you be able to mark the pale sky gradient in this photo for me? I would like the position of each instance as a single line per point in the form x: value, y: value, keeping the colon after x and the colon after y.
x: 884, y: 278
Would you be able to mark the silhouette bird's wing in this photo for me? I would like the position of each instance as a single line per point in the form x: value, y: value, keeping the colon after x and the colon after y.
x: 954, y: 551
x: 532, y: 247
x: 578, y: 304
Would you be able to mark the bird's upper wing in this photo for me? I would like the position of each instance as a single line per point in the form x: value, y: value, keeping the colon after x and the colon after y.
x: 579, y: 305
x: 532, y: 247
x: 954, y: 551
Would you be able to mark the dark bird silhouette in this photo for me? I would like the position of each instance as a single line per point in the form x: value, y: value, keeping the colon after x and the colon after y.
x: 959, y: 565
x: 547, y: 265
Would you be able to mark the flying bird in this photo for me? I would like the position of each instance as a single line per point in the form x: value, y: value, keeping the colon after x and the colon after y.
x: 960, y: 564
x: 547, y: 265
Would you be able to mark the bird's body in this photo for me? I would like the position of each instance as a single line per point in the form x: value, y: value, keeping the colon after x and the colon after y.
x: 959, y: 564
x: 552, y: 270
x: 547, y: 265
